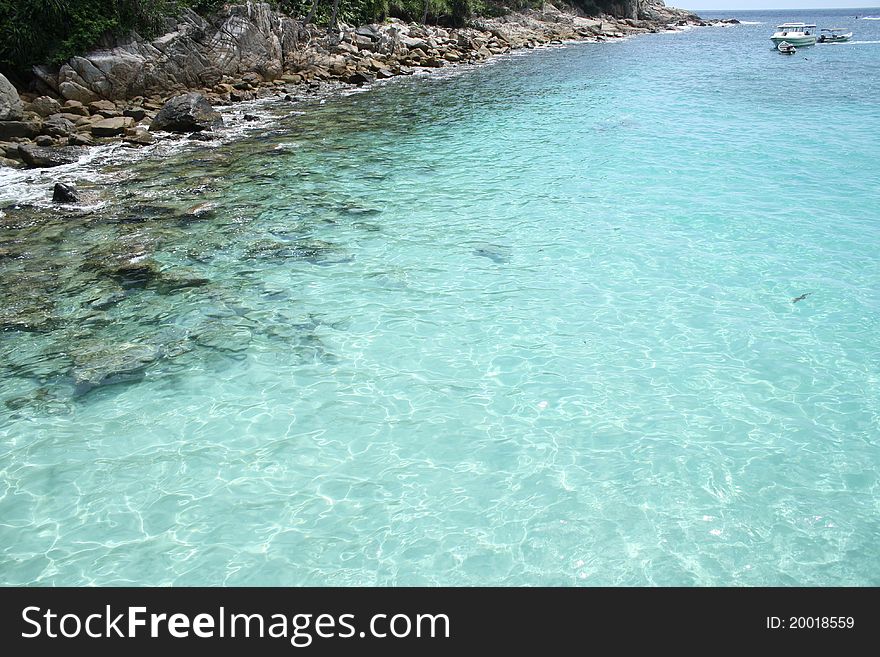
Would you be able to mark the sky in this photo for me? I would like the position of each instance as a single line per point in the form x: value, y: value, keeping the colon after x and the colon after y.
x: 771, y: 4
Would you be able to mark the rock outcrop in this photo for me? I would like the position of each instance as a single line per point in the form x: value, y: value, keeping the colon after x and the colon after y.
x: 187, y: 113
x: 198, y: 52
x: 10, y: 104
x: 657, y: 12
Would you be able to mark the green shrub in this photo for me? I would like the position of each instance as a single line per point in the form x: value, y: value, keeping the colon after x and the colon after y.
x: 51, y: 31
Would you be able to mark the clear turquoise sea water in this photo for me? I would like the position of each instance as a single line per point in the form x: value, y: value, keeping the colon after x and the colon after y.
x: 530, y: 323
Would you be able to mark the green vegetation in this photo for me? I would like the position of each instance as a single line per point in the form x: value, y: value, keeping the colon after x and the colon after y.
x: 52, y: 31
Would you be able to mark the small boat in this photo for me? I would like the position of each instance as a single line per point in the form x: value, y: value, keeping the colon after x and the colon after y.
x: 796, y: 34
x: 786, y: 48
x: 834, y: 35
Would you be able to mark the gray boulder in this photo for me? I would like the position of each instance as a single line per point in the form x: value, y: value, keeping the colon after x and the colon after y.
x: 139, y: 137
x: 360, y: 78
x: 187, y: 113
x: 63, y: 193
x: 80, y: 139
x: 103, y: 364
x: 195, y: 52
x: 137, y: 113
x: 10, y: 104
x: 29, y: 129
x: 45, y: 106
x: 58, y: 126
x: 36, y: 156
x: 112, y: 127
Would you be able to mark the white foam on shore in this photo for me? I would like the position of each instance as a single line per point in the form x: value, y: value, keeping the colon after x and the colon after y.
x: 870, y: 18
x: 751, y: 22
x: 34, y: 186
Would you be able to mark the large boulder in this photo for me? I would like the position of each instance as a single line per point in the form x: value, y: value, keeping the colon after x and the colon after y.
x: 29, y: 129
x: 106, y: 108
x: 10, y: 104
x: 194, y: 52
x: 112, y: 127
x: 75, y: 107
x: 72, y: 90
x: 36, y: 156
x: 58, y: 126
x: 187, y: 113
x: 45, y: 106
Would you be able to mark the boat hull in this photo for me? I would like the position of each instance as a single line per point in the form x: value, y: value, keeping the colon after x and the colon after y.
x: 843, y: 38
x: 804, y: 40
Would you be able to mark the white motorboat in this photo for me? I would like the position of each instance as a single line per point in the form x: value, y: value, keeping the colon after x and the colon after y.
x: 786, y: 48
x: 834, y: 35
x: 797, y: 34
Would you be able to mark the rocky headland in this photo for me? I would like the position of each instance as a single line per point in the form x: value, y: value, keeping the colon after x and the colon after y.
x: 143, y: 90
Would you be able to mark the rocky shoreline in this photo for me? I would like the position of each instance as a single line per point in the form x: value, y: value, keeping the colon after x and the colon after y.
x: 100, y: 284
x: 141, y: 92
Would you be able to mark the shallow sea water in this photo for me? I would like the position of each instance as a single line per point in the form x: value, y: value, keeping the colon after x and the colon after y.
x: 525, y: 324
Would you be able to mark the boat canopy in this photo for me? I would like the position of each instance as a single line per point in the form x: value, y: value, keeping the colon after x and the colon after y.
x: 792, y: 25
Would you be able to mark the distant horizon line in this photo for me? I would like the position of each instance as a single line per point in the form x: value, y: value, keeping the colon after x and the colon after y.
x: 774, y: 8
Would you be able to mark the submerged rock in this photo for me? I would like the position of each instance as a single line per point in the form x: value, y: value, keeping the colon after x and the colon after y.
x: 498, y: 254
x: 41, y: 400
x: 135, y: 273
x: 104, y: 364
x: 317, y: 252
x: 108, y: 300
x: 187, y: 113
x: 28, y: 319
x: 26, y: 302
x: 204, y: 210
x: 175, y: 279
x: 126, y: 261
